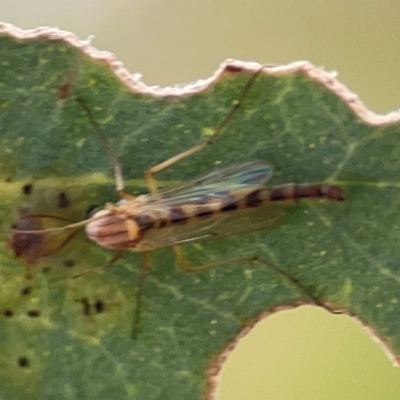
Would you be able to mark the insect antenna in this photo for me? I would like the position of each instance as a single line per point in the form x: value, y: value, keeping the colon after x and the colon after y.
x: 50, y: 230
x: 119, y: 182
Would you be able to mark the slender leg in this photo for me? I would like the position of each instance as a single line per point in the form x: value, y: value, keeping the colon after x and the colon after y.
x: 296, y: 283
x: 139, y: 287
x: 116, y: 256
x: 148, y: 174
x: 251, y: 259
x: 119, y: 180
x: 139, y: 294
x: 70, y: 80
x: 184, y: 265
x: 28, y: 273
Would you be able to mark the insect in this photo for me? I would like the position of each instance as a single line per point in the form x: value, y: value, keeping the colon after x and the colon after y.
x: 224, y: 202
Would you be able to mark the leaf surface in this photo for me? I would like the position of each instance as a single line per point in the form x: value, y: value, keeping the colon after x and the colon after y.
x: 70, y: 338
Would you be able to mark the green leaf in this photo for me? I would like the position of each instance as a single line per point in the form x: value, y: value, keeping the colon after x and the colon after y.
x: 71, y: 338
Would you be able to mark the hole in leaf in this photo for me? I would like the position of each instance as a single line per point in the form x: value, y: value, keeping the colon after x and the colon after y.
x: 317, y: 351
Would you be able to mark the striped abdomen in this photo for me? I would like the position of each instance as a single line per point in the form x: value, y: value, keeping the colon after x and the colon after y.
x: 294, y: 191
x: 125, y: 227
x: 236, y: 201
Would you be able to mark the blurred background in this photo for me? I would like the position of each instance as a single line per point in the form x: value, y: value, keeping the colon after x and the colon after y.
x: 304, y: 353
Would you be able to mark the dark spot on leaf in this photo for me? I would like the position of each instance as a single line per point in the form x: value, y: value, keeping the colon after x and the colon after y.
x: 63, y: 91
x: 99, y: 306
x: 46, y: 270
x: 8, y: 313
x: 28, y: 246
x: 27, y: 189
x: 22, y: 243
x: 8, y: 179
x: 25, y: 290
x: 63, y: 201
x: 68, y: 263
x: 86, y: 305
x: 23, y: 361
x: 35, y: 245
x: 33, y: 313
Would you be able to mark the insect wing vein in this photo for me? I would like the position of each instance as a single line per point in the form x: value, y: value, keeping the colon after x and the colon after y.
x: 235, y: 180
x: 218, y: 225
x: 210, y: 193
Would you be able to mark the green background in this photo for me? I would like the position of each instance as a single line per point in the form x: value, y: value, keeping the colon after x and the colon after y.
x: 300, y: 354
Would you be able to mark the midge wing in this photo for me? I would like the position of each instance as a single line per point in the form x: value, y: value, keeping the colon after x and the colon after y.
x: 217, y: 225
x: 232, y: 182
x: 199, y: 206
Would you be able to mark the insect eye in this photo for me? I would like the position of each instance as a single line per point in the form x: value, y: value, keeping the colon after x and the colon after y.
x: 92, y: 209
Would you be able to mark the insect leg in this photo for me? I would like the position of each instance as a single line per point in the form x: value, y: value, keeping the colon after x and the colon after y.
x: 139, y: 294
x: 251, y: 259
x: 184, y: 265
x: 119, y: 180
x: 71, y: 78
x: 148, y: 174
x: 139, y: 287
x: 116, y: 256
x: 317, y: 302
